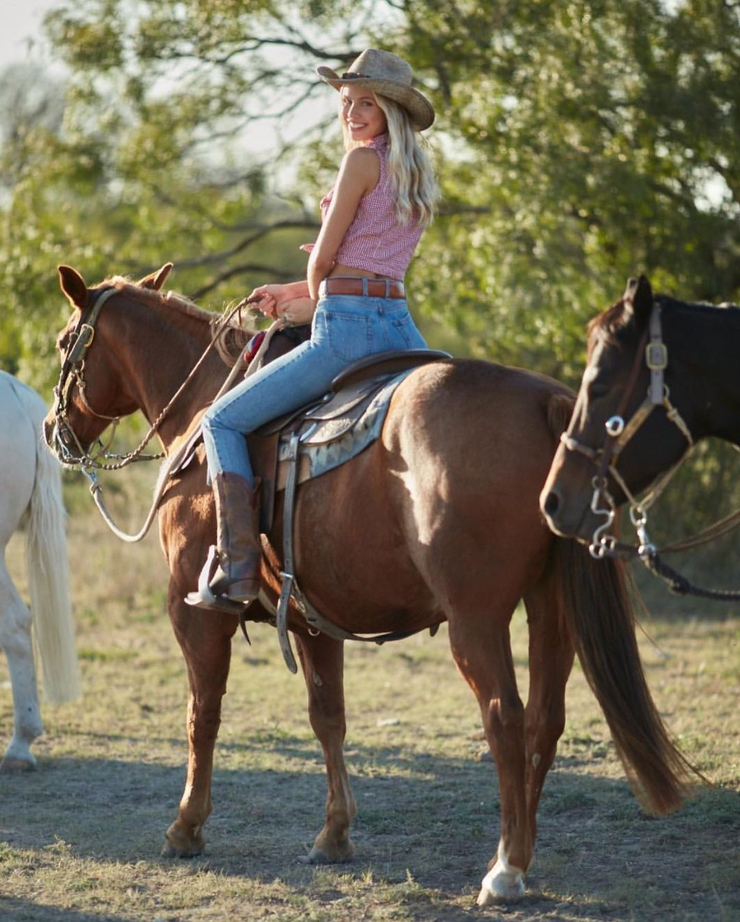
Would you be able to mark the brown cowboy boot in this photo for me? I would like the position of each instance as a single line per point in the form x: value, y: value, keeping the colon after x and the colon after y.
x: 237, y: 538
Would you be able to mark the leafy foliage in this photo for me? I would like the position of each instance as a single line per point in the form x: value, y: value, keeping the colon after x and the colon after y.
x: 602, y: 138
x: 578, y: 142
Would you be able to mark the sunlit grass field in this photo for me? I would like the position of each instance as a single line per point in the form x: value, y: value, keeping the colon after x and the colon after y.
x: 80, y: 837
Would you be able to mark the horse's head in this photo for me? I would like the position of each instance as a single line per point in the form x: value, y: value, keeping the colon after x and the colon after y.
x: 91, y: 393
x: 615, y: 446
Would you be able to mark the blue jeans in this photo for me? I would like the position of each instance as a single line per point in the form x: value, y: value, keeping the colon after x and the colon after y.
x: 344, y: 328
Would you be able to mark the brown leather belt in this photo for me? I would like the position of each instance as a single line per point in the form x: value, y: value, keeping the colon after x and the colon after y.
x: 368, y: 288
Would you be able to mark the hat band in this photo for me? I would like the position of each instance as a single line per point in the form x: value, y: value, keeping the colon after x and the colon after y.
x: 349, y: 75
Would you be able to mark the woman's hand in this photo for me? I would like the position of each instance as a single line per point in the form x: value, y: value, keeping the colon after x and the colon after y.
x: 272, y: 300
x: 297, y: 311
x: 266, y: 299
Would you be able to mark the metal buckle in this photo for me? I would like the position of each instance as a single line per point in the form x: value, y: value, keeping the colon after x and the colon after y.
x: 656, y: 356
x: 84, y: 339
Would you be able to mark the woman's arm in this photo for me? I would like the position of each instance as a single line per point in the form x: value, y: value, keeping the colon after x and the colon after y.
x: 358, y: 175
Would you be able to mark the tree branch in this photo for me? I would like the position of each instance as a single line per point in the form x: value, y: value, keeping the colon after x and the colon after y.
x: 279, y: 275
x: 262, y: 232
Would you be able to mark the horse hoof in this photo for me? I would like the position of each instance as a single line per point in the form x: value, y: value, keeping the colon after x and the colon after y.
x: 177, y: 845
x: 337, y: 856
x: 501, y: 885
x: 171, y: 851
x: 11, y: 765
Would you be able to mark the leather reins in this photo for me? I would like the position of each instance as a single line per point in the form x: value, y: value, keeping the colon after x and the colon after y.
x: 73, y: 373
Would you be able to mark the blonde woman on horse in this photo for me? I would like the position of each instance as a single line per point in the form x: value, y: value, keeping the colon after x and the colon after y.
x: 372, y: 220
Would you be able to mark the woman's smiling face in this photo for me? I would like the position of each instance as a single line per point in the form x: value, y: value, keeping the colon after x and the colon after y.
x: 361, y: 113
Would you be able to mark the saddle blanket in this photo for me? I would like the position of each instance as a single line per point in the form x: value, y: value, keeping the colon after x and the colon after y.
x: 331, y: 434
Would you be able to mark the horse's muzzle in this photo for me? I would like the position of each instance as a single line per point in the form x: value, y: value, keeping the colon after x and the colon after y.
x: 551, y: 506
x: 568, y: 517
x: 61, y: 441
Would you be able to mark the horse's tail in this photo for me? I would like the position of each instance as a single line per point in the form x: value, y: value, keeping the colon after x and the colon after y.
x: 48, y: 580
x: 601, y: 622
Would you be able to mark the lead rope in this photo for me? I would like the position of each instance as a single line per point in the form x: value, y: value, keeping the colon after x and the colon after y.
x: 682, y: 586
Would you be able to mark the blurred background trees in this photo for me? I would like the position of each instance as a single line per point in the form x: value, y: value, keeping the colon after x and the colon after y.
x: 578, y: 142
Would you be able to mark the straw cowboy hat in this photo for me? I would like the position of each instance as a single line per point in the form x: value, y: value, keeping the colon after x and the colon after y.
x: 388, y: 75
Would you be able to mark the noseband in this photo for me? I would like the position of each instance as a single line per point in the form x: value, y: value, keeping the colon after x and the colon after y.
x: 618, y: 435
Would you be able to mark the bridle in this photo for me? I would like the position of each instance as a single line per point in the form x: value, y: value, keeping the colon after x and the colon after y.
x: 68, y: 449
x: 618, y: 434
x: 66, y: 445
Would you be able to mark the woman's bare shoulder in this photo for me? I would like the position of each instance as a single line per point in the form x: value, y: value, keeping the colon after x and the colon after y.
x: 362, y: 160
x: 361, y: 165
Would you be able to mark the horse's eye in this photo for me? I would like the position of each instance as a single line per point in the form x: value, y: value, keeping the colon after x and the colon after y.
x: 598, y: 390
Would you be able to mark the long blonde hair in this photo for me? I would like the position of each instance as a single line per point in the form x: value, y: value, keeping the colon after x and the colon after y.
x: 409, y: 168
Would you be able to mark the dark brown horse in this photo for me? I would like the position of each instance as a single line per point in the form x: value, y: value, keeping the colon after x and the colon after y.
x: 436, y: 521
x: 661, y: 374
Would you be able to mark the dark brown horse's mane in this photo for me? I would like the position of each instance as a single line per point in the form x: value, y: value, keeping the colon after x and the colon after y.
x: 608, y: 323
x: 615, y: 320
x: 234, y: 337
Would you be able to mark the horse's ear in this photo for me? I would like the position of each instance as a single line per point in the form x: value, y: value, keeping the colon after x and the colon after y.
x: 156, y: 279
x: 638, y: 299
x: 73, y: 285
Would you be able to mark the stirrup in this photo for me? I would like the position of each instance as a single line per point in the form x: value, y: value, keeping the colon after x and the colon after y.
x: 205, y: 597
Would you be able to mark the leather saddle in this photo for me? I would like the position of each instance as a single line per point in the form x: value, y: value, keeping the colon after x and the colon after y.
x: 327, y: 429
x: 306, y: 443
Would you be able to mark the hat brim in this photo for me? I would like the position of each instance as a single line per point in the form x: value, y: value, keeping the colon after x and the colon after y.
x: 417, y: 105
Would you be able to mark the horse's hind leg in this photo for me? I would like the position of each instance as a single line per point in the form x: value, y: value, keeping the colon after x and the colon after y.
x: 15, y: 640
x: 322, y: 659
x: 482, y: 652
x: 550, y: 661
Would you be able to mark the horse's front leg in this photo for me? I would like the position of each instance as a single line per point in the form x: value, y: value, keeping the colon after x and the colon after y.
x: 15, y: 640
x: 322, y: 659
x: 205, y: 640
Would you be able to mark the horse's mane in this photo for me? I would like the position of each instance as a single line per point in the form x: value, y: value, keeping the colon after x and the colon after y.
x: 607, y: 325
x: 609, y: 322
x: 234, y: 336
x: 615, y: 322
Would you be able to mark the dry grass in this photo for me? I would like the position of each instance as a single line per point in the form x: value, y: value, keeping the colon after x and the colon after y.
x: 80, y: 838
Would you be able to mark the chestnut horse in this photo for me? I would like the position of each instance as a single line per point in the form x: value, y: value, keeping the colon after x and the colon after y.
x: 661, y: 374
x: 436, y: 521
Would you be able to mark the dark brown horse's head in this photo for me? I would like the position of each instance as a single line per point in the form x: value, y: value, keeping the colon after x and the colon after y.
x: 584, y: 484
x: 86, y: 381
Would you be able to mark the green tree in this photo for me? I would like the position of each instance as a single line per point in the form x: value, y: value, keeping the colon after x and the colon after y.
x: 604, y: 138
x: 578, y: 142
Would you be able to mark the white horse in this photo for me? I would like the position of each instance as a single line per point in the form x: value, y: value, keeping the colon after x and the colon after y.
x: 31, y: 494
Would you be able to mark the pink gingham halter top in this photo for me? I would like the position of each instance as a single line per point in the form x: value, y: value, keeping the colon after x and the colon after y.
x: 375, y: 241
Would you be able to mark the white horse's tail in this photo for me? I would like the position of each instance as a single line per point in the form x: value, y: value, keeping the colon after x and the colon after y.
x: 48, y: 581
